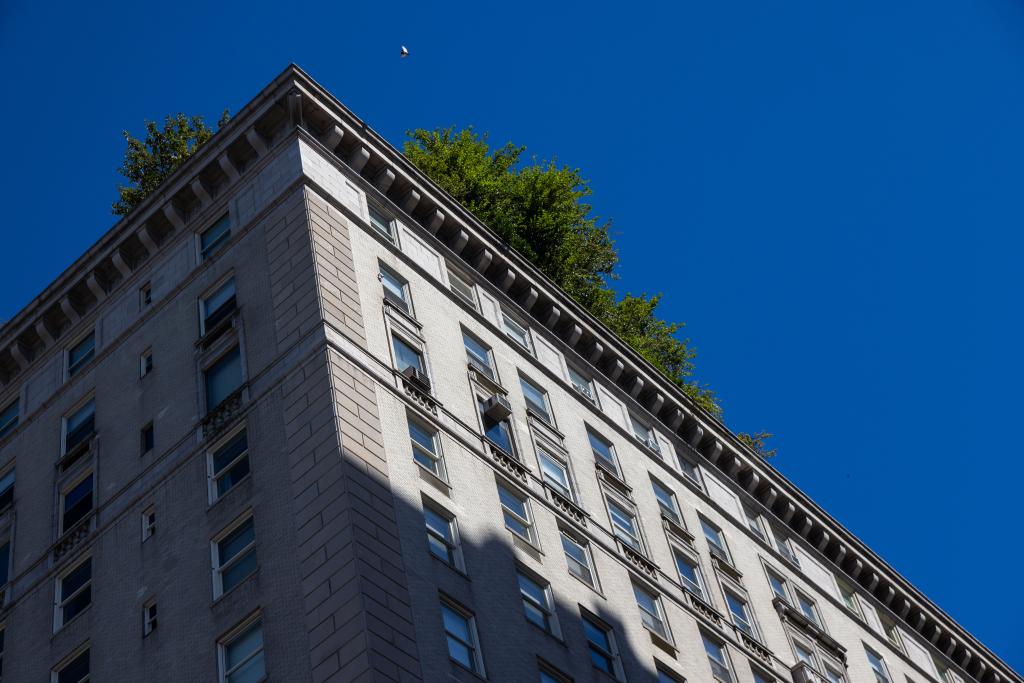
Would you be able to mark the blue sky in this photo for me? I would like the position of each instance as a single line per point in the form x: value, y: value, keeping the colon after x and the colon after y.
x: 827, y: 193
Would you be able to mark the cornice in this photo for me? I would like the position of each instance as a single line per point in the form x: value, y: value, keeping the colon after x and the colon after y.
x: 294, y: 99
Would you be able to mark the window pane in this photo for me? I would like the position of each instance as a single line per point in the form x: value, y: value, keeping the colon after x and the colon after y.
x: 243, y: 646
x: 600, y: 646
x: 81, y: 353
x: 603, y: 451
x: 516, y: 332
x: 223, y: 378
x: 807, y: 607
x: 689, y: 573
x: 406, y: 356
x: 666, y: 500
x: 393, y: 284
x: 478, y: 355
x: 76, y: 670
x: 221, y: 301
x: 77, y: 503
x: 236, y: 541
x: 577, y: 560
x: 555, y: 474
x: 8, y: 419
x: 214, y: 237
x: 228, y: 453
x: 462, y: 288
x: 778, y: 587
x: 381, y: 222
x: 625, y: 528
x: 80, y: 426
x: 536, y: 398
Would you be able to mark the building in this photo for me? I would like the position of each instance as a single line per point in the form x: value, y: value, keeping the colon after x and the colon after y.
x: 301, y: 415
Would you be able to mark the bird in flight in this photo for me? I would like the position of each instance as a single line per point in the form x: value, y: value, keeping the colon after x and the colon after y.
x: 404, y: 52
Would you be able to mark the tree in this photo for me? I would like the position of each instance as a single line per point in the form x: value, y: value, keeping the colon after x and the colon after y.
x: 540, y: 209
x: 758, y: 442
x: 147, y: 163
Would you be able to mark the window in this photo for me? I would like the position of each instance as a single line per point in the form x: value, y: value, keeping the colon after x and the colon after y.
x: 76, y: 670
x: 667, y: 501
x: 462, y: 287
x: 146, y: 363
x: 223, y: 379
x: 805, y: 653
x: 516, y: 332
x: 600, y: 642
x: 778, y: 585
x: 555, y: 474
x: 549, y: 675
x: 761, y: 678
x: 79, y: 426
x: 5, y: 562
x: 754, y: 523
x: 808, y: 608
x: 146, y: 439
x: 407, y: 357
x: 148, y: 618
x: 716, y: 542
x: 583, y: 385
x: 74, y: 592
x: 8, y: 418
x: 690, y: 573
x: 717, y: 659
x: 849, y: 597
x: 740, y: 613
x: 650, y: 611
x: 148, y: 523
x: 241, y: 654
x: 516, y: 510
x: 577, y: 557
x: 442, y: 536
x: 234, y: 557
x: 6, y: 489
x: 479, y: 356
x: 76, y: 502
x: 381, y: 224
x: 689, y: 469
x: 536, y: 602
x: 81, y: 353
x: 785, y: 548
x: 145, y: 295
x: 665, y: 676
x: 215, y: 237
x: 891, y: 632
x: 835, y: 676
x: 498, y: 432
x: 536, y: 399
x: 3, y: 633
x: 624, y: 525
x: 460, y: 630
x: 425, y: 450
x: 644, y: 434
x: 229, y: 464
x: 217, y: 307
x: 604, y: 453
x: 396, y: 290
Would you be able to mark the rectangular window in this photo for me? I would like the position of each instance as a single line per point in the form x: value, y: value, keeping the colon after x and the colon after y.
x: 381, y: 224
x: 498, y: 432
x: 582, y: 385
x: 460, y: 631
x: 849, y: 597
x: 604, y: 452
x: 217, y: 307
x: 396, y: 290
x: 425, y: 448
x: 407, y: 357
x: 740, y: 613
x: 148, y: 618
x: 549, y: 674
x: 516, y: 332
x: 644, y: 434
x: 577, y: 558
x: 442, y: 536
x: 223, y: 379
x: 537, y: 603
x: 146, y: 363
x: 145, y: 295
x: 241, y: 654
x: 148, y: 523
x: 785, y: 548
x: 479, y: 356
x: 690, y: 574
x: 9, y: 418
x: 234, y: 557
x: 835, y: 676
x: 76, y: 670
x: 516, y: 510
x: 754, y: 523
x: 79, y: 426
x: 536, y: 399
x: 81, y: 353
x: 808, y: 608
x: 6, y: 489
x: 779, y: 586
x: 689, y: 469
x: 891, y: 632
x: 650, y: 611
x: 147, y: 439
x: 5, y: 561
x: 716, y: 541
x: 624, y: 525
x: 667, y: 501
x: 215, y: 237
x: 555, y: 474
x: 665, y: 676
x: 717, y: 660
x: 74, y: 592
x: 462, y: 287
x: 600, y: 643
x: 805, y: 653
x: 76, y: 503
x: 229, y: 464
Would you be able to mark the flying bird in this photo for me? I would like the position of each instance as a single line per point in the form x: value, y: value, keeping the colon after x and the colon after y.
x: 404, y: 52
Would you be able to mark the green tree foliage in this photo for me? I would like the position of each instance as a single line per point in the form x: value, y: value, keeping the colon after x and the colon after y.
x: 540, y: 208
x: 758, y: 442
x: 147, y: 163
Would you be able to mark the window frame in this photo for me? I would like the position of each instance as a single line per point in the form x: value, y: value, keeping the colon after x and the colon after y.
x: 724, y: 664
x: 651, y: 440
x: 228, y: 306
x: 212, y: 363
x: 544, y: 412
x: 65, y: 488
x: 382, y: 222
x: 527, y: 522
x: 545, y: 608
x: 217, y: 243
x: 486, y: 367
x: 660, y: 626
x: 509, y: 321
x: 248, y: 549
x: 454, y: 557
x: 67, y: 661
x: 146, y: 364
x: 61, y: 603
x: 147, y: 438
x: 402, y: 300
x: 609, y: 653
x: 415, y: 347
x: 590, y: 394
x: 546, y: 455
x: 743, y: 603
x: 9, y: 419
x: 436, y: 456
x: 214, y: 475
x: 6, y: 487
x: 612, y: 466
x: 584, y: 548
x: 225, y: 641
x: 455, y: 275
x: 723, y: 546
x: 145, y: 296
x: 65, y: 420
x: 473, y: 646
x: 633, y: 514
x: 671, y: 510
x: 508, y: 432
x: 149, y: 613
x: 815, y: 617
x: 693, y: 562
x: 72, y: 368
x: 148, y: 522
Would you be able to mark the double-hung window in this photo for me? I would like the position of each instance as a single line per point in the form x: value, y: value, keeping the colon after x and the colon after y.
x: 229, y: 464
x: 537, y: 603
x: 497, y: 431
x: 74, y: 592
x: 785, y: 547
x: 805, y: 653
x: 583, y: 385
x: 689, y: 469
x: 716, y: 541
x: 555, y: 473
x: 516, y: 510
x: 604, y: 452
x: 754, y: 523
x: 834, y: 676
x: 577, y: 558
x: 382, y: 224
x: 650, y: 611
x: 624, y: 524
x: 81, y: 353
x: 644, y: 434
x: 234, y: 556
x: 215, y: 237
x: 740, y: 613
x: 779, y: 586
x: 516, y: 332
x: 396, y: 290
x: 690, y: 573
x: 462, y: 287
x: 79, y: 426
x: 6, y: 489
x: 718, y: 660
x: 479, y: 356
x: 808, y: 608
x: 891, y: 632
x: 666, y: 501
x: 849, y: 597
x: 223, y: 378
x: 442, y: 535
x: 148, y: 618
x: 601, y: 644
x: 76, y: 502
x: 407, y: 357
x: 536, y: 400
x: 8, y: 418
x: 217, y: 307
x: 5, y: 563
x: 74, y: 670
x: 425, y: 448
x: 460, y: 632
x: 241, y: 654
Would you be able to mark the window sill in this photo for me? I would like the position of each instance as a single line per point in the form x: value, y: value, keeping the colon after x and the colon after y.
x: 234, y: 589
x: 436, y: 480
x: 663, y: 641
x: 612, y: 480
x: 392, y: 308
x: 244, y: 481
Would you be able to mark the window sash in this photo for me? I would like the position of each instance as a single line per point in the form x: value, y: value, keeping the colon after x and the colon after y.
x: 717, y: 660
x: 536, y: 398
x: 577, y: 559
x: 625, y: 522
x: 79, y: 426
x: 536, y: 605
x: 556, y: 475
x: 582, y: 384
x: 478, y: 355
x: 81, y: 353
x: 715, y: 541
x: 650, y: 611
x: 78, y: 667
x: 75, y: 591
x: 76, y: 502
x: 740, y: 614
x: 9, y: 418
x: 247, y: 664
x: 603, y: 451
x: 601, y: 654
x: 440, y: 534
x: 667, y: 501
x: 808, y: 608
x: 692, y: 583
x: 227, y: 578
x: 516, y: 332
x: 406, y: 356
x: 381, y: 223
x: 223, y: 378
x: 214, y: 237
x: 778, y: 586
x: 468, y: 642
x: 516, y: 521
x: 395, y: 289
x: 462, y: 288
x: 219, y: 305
x: 230, y: 463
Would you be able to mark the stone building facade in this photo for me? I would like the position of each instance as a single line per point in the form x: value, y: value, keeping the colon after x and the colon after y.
x: 301, y: 417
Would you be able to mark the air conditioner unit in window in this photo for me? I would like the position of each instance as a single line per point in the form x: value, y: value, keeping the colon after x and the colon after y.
x: 416, y: 377
x: 497, y: 407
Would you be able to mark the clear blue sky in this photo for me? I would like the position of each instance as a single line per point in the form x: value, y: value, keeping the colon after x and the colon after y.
x: 828, y: 193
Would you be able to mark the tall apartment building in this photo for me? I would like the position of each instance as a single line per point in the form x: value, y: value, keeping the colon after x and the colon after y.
x: 300, y: 417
